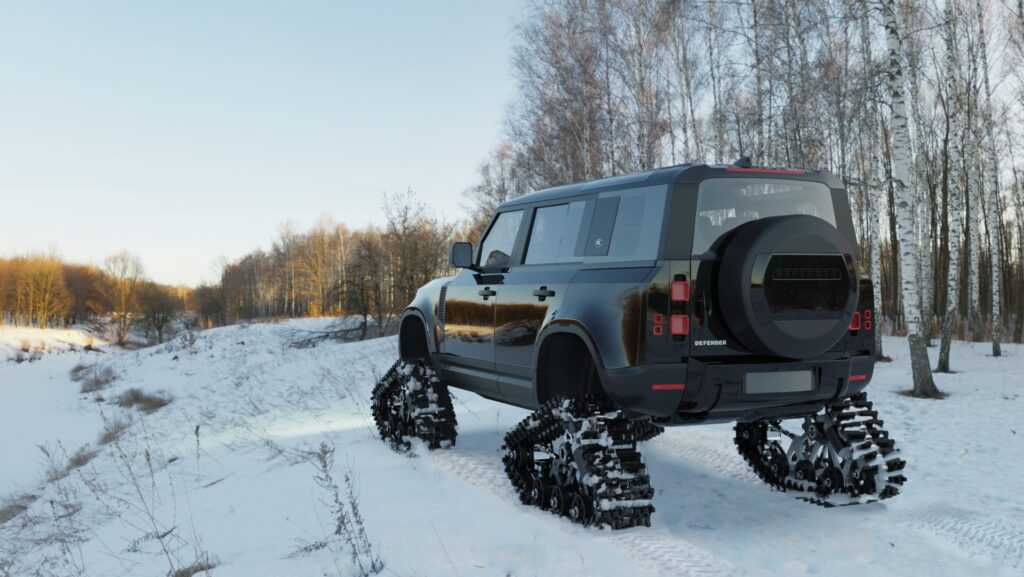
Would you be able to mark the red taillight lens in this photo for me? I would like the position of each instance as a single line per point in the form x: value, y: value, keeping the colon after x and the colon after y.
x: 855, y: 322
x: 672, y: 387
x: 680, y: 291
x: 679, y: 324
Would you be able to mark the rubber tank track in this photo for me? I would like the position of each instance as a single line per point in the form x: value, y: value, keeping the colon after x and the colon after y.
x: 856, y: 455
x: 578, y: 459
x: 411, y: 401
x: 645, y: 430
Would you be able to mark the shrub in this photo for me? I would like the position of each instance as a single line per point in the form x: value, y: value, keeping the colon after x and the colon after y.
x: 146, y: 403
x: 98, y: 380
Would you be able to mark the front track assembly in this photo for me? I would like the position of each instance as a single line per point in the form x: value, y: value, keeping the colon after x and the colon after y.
x: 577, y: 458
x: 411, y: 401
x: 842, y: 456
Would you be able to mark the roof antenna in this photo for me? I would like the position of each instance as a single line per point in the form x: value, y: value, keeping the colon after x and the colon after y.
x: 743, y: 162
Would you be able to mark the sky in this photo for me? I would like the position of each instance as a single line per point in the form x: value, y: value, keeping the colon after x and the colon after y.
x: 188, y: 132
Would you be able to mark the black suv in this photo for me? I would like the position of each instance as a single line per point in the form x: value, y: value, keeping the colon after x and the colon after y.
x: 685, y: 295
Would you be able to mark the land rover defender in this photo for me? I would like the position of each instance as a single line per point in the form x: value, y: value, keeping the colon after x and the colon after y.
x: 680, y: 296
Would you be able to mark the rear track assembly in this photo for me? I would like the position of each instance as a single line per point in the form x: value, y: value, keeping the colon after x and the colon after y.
x: 842, y: 456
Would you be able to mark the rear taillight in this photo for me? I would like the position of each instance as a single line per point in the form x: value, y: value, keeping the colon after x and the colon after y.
x: 680, y: 291
x: 861, y: 320
x: 679, y: 325
x: 855, y: 322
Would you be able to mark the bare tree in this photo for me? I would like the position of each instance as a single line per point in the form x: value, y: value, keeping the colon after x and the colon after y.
x: 124, y: 270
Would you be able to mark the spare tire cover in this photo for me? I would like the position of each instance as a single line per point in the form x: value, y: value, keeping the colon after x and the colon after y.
x: 788, y: 285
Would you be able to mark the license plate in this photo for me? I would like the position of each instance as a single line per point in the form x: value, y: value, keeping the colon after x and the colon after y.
x: 778, y: 382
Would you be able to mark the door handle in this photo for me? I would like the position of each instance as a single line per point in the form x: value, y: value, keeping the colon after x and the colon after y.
x: 543, y: 293
x: 486, y: 292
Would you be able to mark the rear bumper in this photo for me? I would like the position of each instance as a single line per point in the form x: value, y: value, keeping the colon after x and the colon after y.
x: 698, y: 392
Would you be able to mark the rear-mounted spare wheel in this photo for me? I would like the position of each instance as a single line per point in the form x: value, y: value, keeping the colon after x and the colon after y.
x: 788, y: 286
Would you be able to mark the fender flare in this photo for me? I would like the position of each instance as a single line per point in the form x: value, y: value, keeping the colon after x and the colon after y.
x: 578, y: 330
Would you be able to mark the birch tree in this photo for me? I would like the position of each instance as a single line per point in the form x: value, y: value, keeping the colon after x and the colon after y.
x: 953, y: 182
x: 993, y: 218
x: 924, y: 386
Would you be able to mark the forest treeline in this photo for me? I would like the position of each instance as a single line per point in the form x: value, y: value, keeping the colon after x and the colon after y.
x: 43, y: 291
x: 330, y: 269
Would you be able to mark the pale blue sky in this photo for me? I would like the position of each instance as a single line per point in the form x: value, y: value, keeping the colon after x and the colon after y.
x: 185, y: 131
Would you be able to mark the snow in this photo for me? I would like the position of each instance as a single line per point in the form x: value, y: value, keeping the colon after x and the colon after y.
x: 31, y: 343
x: 230, y: 473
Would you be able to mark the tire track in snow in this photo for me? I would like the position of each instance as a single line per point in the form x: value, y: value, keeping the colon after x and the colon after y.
x: 656, y: 552
x: 698, y: 450
x: 671, y: 557
x: 975, y: 534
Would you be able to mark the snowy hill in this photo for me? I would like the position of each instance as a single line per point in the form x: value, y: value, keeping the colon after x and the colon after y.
x: 234, y: 472
x: 22, y: 343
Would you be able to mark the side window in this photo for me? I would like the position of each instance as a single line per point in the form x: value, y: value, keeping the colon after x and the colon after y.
x: 555, y: 232
x: 496, y: 247
x: 637, y: 230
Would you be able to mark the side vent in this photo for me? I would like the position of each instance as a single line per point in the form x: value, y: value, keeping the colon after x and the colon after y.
x: 440, y: 306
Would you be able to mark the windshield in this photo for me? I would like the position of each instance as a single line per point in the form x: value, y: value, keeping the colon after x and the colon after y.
x: 725, y: 203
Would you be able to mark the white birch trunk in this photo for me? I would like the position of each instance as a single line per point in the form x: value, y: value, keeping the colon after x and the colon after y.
x: 955, y: 192
x: 992, y: 216
x: 924, y: 386
x: 973, y: 241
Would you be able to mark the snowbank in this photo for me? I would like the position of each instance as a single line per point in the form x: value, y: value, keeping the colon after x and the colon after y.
x: 30, y: 343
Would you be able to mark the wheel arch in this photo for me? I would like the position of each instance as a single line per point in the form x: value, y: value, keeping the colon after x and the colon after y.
x: 579, y: 368
x: 413, y: 338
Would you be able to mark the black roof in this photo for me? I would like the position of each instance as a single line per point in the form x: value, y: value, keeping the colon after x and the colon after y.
x: 666, y: 175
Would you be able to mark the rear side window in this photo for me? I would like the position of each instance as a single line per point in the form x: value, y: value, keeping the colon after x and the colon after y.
x: 496, y: 247
x: 635, y: 225
x: 725, y: 203
x: 555, y: 233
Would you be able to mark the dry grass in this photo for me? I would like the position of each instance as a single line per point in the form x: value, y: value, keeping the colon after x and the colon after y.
x: 58, y: 468
x: 145, y: 402
x: 200, y: 565
x: 93, y: 378
x: 112, y: 431
x: 14, y: 505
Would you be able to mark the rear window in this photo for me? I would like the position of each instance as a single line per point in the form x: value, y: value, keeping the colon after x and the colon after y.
x: 725, y: 203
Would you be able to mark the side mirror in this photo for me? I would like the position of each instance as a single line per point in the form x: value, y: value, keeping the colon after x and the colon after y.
x: 460, y: 255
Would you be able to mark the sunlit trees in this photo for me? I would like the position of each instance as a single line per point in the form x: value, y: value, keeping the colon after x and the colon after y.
x: 123, y: 271
x: 330, y: 270
x: 33, y: 291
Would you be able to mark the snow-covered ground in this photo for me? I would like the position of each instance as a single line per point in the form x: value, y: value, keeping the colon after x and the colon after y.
x: 226, y: 473
x: 25, y: 343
